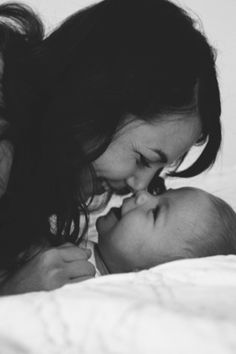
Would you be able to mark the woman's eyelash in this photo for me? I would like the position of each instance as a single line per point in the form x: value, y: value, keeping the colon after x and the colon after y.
x: 143, y: 161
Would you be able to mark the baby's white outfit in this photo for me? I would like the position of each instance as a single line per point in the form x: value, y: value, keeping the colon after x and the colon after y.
x: 90, y: 245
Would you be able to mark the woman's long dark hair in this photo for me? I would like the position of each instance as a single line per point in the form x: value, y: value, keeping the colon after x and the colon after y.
x: 66, y: 93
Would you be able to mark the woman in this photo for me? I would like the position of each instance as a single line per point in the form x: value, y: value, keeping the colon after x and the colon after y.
x: 118, y: 92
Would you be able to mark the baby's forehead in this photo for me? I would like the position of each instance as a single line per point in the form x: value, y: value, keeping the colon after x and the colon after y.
x: 204, y: 198
x: 198, y: 216
x: 197, y: 193
x: 195, y: 203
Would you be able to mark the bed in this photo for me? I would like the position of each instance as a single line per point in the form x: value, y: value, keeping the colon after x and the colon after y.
x: 186, y: 306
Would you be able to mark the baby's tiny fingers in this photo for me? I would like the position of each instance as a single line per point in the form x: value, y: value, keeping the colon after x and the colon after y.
x: 74, y: 253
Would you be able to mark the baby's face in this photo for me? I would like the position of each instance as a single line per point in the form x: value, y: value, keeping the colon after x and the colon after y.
x: 151, y: 229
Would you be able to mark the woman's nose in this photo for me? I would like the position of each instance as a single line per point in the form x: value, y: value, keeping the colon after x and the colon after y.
x: 140, y: 181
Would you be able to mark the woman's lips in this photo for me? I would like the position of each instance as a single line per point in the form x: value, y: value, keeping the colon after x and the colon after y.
x: 119, y: 190
x: 101, y: 187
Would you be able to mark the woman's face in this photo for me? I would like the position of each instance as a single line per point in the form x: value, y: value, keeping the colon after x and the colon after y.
x: 150, y: 230
x: 140, y: 149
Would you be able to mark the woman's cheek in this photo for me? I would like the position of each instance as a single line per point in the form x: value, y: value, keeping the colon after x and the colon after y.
x: 121, y: 170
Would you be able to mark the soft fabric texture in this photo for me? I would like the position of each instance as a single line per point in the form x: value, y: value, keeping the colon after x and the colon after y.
x: 90, y: 245
x: 182, y: 307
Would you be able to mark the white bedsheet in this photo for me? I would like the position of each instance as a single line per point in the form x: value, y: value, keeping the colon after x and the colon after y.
x: 186, y: 306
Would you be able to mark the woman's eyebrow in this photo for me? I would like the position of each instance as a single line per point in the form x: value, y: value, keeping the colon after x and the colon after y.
x: 163, y: 156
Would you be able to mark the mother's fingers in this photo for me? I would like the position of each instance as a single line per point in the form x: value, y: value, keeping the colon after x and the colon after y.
x: 70, y: 253
x: 80, y: 269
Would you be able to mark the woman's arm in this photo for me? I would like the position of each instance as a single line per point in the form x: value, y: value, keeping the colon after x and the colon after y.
x: 49, y: 269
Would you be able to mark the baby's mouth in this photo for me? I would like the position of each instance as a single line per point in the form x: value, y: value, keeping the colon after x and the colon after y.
x: 117, y: 212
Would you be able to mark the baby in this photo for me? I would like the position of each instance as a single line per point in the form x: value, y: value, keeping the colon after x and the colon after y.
x: 149, y: 230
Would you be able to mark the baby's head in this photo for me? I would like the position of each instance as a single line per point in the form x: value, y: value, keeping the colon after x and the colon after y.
x: 150, y: 230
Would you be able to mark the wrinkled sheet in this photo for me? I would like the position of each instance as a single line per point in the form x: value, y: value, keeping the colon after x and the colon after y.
x: 186, y: 306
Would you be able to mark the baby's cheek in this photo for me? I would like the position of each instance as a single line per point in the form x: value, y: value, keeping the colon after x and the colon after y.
x: 130, y: 235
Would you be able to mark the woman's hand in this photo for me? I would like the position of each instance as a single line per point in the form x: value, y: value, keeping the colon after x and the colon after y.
x: 51, y: 269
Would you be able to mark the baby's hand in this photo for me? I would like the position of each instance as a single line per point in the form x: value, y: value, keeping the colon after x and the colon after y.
x: 51, y: 269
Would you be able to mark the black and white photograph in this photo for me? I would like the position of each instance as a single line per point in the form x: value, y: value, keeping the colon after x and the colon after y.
x: 117, y: 177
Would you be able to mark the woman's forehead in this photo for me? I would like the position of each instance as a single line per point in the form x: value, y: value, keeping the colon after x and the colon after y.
x: 173, y: 122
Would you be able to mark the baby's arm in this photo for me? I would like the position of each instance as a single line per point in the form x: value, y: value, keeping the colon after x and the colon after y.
x: 50, y: 269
